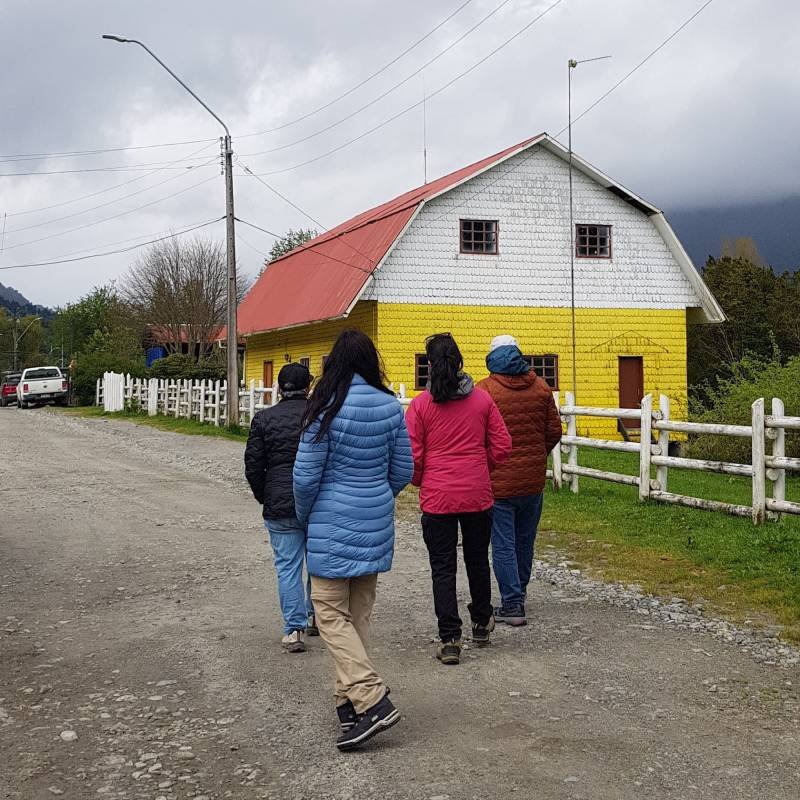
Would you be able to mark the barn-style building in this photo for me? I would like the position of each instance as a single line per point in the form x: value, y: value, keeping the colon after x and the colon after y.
x: 486, y: 250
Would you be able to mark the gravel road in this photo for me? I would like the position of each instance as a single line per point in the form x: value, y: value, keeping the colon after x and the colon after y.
x: 139, y: 658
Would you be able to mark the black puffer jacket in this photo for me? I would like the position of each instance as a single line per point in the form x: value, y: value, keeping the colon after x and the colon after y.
x: 270, y: 454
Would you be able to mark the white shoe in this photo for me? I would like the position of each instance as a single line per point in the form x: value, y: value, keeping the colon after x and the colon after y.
x: 294, y: 642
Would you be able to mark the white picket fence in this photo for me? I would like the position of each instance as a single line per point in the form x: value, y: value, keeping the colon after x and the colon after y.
x: 202, y: 400
x: 765, y: 468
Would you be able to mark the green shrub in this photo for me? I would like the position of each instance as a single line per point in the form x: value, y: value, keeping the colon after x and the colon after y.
x: 730, y: 401
x: 179, y: 366
x: 91, y: 366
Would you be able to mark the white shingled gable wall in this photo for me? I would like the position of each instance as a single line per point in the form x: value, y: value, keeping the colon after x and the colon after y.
x: 529, y: 195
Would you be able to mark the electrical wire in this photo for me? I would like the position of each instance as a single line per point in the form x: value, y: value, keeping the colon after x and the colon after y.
x: 116, y: 168
x: 419, y: 102
x: 109, y: 202
x: 391, y: 89
x: 112, y: 252
x: 97, y: 151
x: 363, y: 82
x: 307, y: 246
x: 115, y: 216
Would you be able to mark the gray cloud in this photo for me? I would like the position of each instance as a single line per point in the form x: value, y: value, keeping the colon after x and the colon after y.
x: 710, y: 119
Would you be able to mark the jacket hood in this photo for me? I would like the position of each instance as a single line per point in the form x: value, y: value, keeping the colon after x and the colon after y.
x: 516, y: 382
x: 507, y: 360
x: 465, y: 386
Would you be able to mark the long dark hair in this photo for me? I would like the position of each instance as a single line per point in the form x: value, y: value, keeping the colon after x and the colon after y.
x: 353, y: 352
x: 445, y: 363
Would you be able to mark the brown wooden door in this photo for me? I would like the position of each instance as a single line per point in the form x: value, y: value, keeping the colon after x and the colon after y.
x: 631, y: 385
x: 268, y: 379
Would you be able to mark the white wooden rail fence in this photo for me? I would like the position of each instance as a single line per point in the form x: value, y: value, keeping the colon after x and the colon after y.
x: 206, y: 401
x: 763, y: 468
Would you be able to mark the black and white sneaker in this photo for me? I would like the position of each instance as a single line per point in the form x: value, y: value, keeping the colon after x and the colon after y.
x: 311, y: 627
x: 480, y: 633
x: 347, y: 716
x: 380, y: 717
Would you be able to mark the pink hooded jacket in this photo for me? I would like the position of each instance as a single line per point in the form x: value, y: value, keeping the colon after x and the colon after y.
x: 455, y: 446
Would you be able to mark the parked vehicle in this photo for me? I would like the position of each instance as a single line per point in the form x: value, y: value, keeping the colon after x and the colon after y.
x: 42, y: 385
x: 8, y: 388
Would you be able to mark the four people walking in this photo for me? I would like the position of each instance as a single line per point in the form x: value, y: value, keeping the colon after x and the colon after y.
x: 327, y: 472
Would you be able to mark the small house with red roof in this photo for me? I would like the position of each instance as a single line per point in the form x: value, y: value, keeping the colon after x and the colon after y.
x: 490, y: 249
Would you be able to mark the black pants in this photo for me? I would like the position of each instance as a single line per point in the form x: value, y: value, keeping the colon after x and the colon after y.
x: 440, y: 532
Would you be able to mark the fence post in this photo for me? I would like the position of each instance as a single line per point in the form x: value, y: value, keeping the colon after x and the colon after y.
x: 273, y: 400
x: 759, y: 467
x: 572, y: 430
x: 97, y: 393
x: 216, y: 403
x: 663, y: 442
x: 779, y: 451
x: 556, y: 452
x: 224, y: 403
x: 645, y: 437
x: 251, y: 400
x: 201, y: 412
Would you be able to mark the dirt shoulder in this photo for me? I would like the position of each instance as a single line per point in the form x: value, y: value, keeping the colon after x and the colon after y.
x: 139, y: 611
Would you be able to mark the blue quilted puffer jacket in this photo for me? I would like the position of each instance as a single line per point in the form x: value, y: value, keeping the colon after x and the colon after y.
x: 345, y: 485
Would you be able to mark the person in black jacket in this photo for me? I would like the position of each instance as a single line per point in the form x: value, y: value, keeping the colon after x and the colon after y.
x: 269, y: 459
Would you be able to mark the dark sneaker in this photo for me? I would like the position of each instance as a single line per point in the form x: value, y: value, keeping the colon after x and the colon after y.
x: 511, y: 615
x: 378, y: 718
x: 480, y: 633
x: 449, y: 652
x: 347, y: 716
x: 311, y: 628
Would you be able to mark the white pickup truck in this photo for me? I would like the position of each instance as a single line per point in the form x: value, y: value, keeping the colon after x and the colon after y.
x: 41, y: 385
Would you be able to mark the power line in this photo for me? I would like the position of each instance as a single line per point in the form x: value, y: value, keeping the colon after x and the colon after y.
x: 116, y: 168
x: 115, y: 216
x: 113, y: 252
x: 391, y: 89
x: 363, y: 82
x: 109, y: 202
x: 584, y: 112
x: 419, y: 102
x: 97, y: 151
x: 307, y: 246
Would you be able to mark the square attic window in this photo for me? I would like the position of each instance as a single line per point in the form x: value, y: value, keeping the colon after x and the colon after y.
x: 593, y: 241
x: 478, y: 236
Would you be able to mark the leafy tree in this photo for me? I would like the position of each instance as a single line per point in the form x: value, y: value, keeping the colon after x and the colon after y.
x: 291, y: 240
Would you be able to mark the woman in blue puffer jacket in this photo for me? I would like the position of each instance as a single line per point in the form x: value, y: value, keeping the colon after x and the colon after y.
x: 354, y: 459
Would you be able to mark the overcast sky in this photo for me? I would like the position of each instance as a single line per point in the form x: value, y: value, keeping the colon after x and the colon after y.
x: 711, y: 119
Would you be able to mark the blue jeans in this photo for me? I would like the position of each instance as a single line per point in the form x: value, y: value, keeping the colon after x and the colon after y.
x: 288, y: 540
x: 514, y: 525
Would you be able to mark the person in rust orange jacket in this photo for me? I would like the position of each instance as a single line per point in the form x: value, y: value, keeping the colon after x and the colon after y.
x: 529, y: 411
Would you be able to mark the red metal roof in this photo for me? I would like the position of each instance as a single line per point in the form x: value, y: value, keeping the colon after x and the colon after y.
x: 321, y: 279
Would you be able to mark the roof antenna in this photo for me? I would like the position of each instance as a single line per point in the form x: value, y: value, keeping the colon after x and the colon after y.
x: 424, y: 133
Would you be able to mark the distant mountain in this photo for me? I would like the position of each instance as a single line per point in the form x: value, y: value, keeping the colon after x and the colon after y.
x: 773, y: 225
x: 16, y: 303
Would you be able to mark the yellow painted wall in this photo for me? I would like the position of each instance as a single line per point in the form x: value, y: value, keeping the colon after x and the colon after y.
x: 400, y: 329
x: 308, y: 341
x: 602, y: 335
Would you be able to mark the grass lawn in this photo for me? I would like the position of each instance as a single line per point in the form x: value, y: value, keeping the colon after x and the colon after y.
x: 741, y: 571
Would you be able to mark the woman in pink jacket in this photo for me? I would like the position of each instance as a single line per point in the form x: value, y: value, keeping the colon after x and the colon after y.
x: 457, y: 437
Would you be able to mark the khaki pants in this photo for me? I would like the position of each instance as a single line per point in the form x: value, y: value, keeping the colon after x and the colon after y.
x: 343, y: 607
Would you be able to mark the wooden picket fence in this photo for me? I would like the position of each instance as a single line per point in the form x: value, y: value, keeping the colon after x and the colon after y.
x: 765, y: 468
x: 201, y: 400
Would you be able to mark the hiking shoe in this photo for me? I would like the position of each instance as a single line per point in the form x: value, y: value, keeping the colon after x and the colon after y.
x: 311, y: 627
x: 294, y: 642
x: 378, y: 718
x: 449, y: 652
x: 347, y: 715
x: 480, y: 633
x: 511, y: 615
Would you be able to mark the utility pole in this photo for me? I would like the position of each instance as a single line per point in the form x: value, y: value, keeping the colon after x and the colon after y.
x: 18, y: 337
x: 230, y: 236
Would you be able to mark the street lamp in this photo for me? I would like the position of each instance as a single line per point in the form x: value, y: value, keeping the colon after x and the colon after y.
x: 232, y: 339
